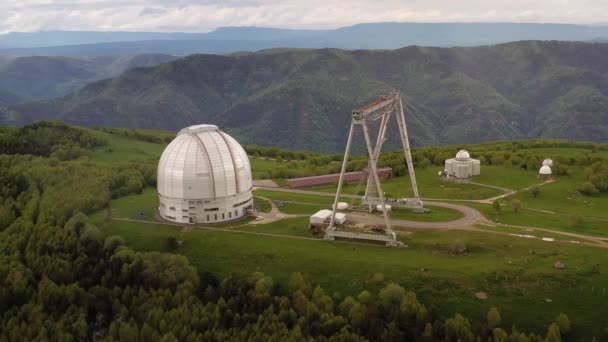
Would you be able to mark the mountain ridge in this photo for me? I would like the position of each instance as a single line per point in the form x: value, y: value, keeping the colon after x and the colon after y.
x: 301, y: 99
x: 225, y: 40
x: 27, y: 78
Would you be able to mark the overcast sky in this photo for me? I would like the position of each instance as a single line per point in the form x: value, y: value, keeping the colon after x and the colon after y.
x: 206, y: 15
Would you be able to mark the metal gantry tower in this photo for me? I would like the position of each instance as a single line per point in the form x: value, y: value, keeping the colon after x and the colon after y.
x: 382, y: 109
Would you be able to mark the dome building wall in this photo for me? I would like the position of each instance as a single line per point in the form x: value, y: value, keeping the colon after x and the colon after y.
x: 462, y: 167
x: 204, y: 175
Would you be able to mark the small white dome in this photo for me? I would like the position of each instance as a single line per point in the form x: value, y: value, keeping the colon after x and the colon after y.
x: 545, y: 170
x: 548, y: 162
x: 463, y: 155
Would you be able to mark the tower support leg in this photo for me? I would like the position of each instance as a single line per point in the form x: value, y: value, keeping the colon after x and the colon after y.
x: 340, y: 182
x: 372, y: 158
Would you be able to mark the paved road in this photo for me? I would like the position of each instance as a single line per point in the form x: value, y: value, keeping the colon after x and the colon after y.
x: 469, y: 217
x: 469, y: 221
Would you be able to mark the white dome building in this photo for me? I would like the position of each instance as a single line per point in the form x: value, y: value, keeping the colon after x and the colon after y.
x: 545, y: 171
x: 462, y: 167
x: 204, y: 176
x: 463, y: 155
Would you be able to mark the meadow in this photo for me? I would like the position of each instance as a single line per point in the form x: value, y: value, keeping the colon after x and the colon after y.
x: 516, y: 273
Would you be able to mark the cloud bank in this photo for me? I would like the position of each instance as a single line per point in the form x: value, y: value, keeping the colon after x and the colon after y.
x: 207, y: 15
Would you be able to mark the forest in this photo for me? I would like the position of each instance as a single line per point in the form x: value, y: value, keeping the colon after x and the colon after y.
x: 63, y: 280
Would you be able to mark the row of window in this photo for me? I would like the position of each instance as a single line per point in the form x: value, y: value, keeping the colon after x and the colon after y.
x: 215, y: 217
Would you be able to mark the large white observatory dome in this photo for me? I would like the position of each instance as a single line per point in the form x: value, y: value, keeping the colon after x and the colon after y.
x: 204, y: 175
x: 463, y: 155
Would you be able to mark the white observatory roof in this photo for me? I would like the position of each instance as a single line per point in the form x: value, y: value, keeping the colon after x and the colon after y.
x: 545, y: 170
x: 463, y: 155
x: 548, y: 162
x: 203, y: 162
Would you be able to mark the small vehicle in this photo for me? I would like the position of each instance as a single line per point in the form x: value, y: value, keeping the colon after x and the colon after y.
x: 259, y: 218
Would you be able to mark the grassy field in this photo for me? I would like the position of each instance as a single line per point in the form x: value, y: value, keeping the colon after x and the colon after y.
x: 262, y: 205
x: 299, y: 208
x: 429, y: 185
x: 121, y: 149
x: 534, y: 218
x: 435, y: 214
x: 507, y: 177
x: 562, y: 196
x: 517, y: 274
x: 293, y: 197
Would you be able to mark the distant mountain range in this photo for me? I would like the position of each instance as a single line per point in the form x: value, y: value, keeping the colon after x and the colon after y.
x: 234, y: 39
x: 39, y: 77
x: 302, y: 99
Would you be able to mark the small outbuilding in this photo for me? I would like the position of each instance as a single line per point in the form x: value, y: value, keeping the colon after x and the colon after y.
x: 462, y: 167
x: 323, y: 216
x: 545, y: 172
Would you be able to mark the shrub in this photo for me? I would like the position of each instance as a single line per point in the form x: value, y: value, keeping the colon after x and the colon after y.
x: 588, y: 189
x: 535, y: 191
x: 516, y: 205
x: 458, y: 247
x: 170, y: 244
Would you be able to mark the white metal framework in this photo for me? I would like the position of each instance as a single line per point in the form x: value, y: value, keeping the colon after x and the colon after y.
x: 382, y: 109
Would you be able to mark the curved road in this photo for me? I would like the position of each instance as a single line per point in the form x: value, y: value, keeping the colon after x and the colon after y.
x: 471, y: 217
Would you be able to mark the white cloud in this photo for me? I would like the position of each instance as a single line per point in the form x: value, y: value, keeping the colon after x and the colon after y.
x: 206, y: 15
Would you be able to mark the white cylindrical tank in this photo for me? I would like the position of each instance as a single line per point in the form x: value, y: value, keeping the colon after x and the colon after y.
x: 204, y: 175
x: 342, y: 206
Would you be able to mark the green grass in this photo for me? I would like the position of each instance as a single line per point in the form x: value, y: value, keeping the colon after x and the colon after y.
x: 542, y: 220
x: 261, y: 167
x: 435, y: 214
x: 562, y: 196
x: 121, y: 149
x: 298, y: 208
x: 293, y: 226
x: 132, y: 206
x: 262, y: 205
x: 429, y: 186
x: 524, y: 231
x: 507, y: 177
x: 294, y: 197
x: 447, y: 283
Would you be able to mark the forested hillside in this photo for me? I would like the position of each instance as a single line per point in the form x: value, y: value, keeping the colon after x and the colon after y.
x: 27, y: 78
x: 301, y: 99
x: 62, y: 279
